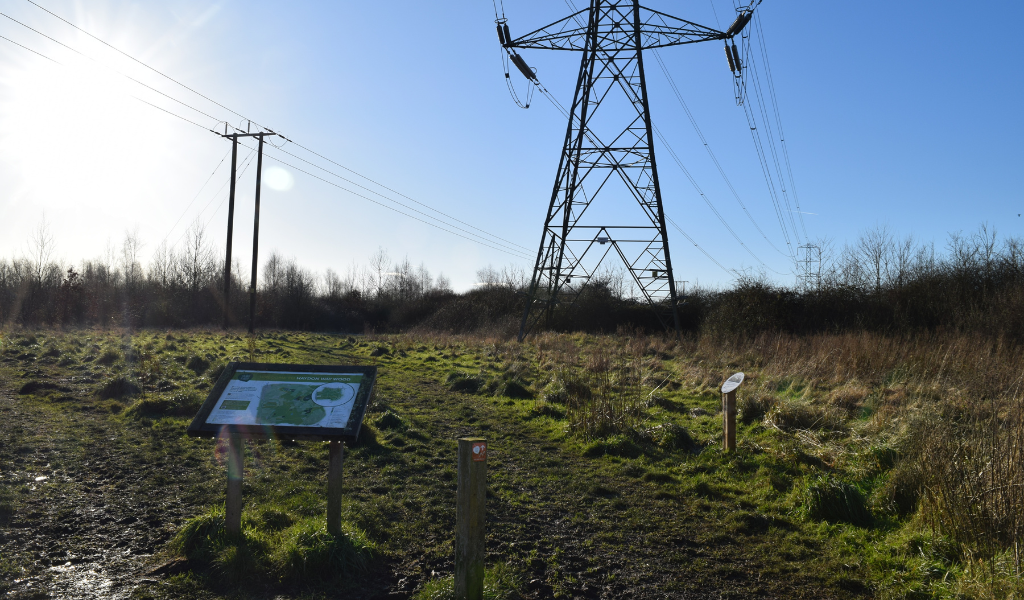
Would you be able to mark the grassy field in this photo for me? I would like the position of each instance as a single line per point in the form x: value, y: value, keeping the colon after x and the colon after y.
x: 606, y: 478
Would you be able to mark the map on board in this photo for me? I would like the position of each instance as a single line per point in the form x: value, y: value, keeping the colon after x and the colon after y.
x: 288, y: 399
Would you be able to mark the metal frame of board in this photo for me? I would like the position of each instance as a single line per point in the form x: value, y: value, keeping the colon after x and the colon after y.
x: 367, y: 387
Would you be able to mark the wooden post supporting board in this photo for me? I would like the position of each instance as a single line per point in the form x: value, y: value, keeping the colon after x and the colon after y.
x: 334, y: 487
x: 729, y: 411
x: 469, y: 519
x: 233, y: 505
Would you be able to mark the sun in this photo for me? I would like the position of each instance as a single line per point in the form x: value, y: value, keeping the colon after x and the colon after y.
x: 77, y: 144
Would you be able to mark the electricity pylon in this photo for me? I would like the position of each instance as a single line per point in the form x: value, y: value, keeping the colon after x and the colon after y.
x: 609, y: 152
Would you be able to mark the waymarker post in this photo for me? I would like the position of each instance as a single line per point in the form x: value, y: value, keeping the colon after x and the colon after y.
x: 729, y: 411
x: 469, y: 519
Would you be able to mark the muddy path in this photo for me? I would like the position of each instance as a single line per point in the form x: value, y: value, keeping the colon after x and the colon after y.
x: 87, y: 520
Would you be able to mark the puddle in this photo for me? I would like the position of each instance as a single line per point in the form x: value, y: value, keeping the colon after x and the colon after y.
x: 111, y: 578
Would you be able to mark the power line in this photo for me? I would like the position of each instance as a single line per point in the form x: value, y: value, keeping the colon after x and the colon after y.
x: 314, y: 153
x: 510, y: 251
x: 29, y: 49
x: 83, y: 55
x: 707, y: 147
x: 509, y: 245
x: 248, y: 161
x: 343, y: 188
x: 778, y: 118
x: 194, y: 198
x: 122, y: 52
x: 255, y: 122
x: 704, y: 197
x: 516, y: 254
x: 756, y: 80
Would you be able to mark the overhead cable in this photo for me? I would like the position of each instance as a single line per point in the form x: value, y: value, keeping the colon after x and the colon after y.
x: 707, y: 147
x: 490, y: 235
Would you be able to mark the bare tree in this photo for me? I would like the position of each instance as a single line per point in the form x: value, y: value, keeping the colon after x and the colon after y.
x: 41, y: 247
x: 196, y: 261
x: 131, y: 269
x: 161, y: 266
x: 379, y: 264
x: 875, y: 249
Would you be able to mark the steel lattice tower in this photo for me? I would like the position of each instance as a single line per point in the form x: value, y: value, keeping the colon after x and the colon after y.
x: 607, y: 162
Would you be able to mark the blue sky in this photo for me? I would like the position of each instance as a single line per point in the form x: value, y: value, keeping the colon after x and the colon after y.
x: 894, y: 113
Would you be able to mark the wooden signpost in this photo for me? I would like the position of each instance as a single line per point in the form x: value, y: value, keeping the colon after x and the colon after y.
x: 729, y: 411
x: 281, y: 401
x: 469, y: 519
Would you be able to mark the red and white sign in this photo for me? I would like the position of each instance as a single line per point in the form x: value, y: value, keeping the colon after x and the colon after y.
x: 479, y: 451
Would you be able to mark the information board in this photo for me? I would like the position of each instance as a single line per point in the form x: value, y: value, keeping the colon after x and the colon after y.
x: 258, y: 400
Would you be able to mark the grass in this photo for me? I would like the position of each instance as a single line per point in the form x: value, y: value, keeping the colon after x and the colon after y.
x: 605, y: 470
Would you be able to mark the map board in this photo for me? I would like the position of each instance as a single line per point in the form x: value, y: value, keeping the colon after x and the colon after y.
x: 295, y: 402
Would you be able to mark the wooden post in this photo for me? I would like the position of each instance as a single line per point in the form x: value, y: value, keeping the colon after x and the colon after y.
x: 334, y: 487
x: 469, y: 519
x: 729, y: 411
x: 233, y: 506
x: 729, y: 421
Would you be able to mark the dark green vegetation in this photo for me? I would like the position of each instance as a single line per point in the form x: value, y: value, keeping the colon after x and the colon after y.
x: 880, y: 283
x: 867, y: 466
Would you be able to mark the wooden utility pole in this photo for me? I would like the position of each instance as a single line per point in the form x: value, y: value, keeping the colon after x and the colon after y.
x: 255, y: 228
x: 231, y: 226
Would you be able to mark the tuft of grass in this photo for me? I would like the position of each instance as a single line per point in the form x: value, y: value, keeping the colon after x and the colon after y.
x: 272, y: 547
x: 197, y: 364
x: 514, y: 388
x: 109, y: 357
x: 389, y: 420
x: 118, y: 388
x: 179, y: 405
x: 670, y: 436
x: 790, y: 416
x: 461, y: 382
x: 309, y: 552
x: 836, y: 501
x: 754, y: 407
x: 501, y: 582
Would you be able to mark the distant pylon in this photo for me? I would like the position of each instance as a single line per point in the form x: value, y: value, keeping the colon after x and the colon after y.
x: 809, y: 277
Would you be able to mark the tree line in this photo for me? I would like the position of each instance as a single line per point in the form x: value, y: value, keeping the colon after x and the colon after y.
x: 880, y: 282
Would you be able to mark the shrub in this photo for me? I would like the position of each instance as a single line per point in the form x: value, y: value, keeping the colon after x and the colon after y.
x: 836, y: 501
x: 974, y: 479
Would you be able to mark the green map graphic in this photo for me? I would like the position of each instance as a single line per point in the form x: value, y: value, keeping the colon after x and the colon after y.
x: 330, y: 394
x: 288, y: 404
